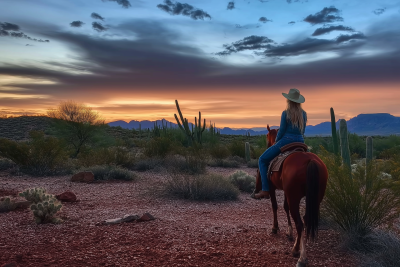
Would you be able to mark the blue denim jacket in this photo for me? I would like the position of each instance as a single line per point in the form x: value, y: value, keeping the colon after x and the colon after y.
x: 287, y: 127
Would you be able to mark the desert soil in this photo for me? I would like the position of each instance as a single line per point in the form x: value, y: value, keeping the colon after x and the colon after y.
x: 185, y: 233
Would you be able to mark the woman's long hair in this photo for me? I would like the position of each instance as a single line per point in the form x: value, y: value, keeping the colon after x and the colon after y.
x: 294, y: 113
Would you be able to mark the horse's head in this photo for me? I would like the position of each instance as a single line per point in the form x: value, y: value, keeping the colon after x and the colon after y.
x: 271, y: 135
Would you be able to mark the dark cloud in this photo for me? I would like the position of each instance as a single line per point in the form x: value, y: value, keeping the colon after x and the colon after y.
x: 291, y: 22
x: 123, y: 3
x: 252, y: 42
x: 324, y: 30
x: 129, y: 66
x: 176, y: 8
x: 9, y: 26
x: 264, y: 19
x: 344, y: 38
x: 28, y: 45
x: 96, y: 16
x: 231, y: 5
x: 76, y: 23
x: 21, y: 35
x: 324, y: 16
x: 379, y: 11
x: 98, y: 27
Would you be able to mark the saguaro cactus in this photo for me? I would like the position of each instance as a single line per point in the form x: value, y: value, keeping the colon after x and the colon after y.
x: 334, y: 136
x: 247, y: 150
x: 344, y: 143
x: 194, y: 134
x: 369, y: 150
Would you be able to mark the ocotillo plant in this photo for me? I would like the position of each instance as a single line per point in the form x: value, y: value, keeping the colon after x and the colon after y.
x: 247, y: 150
x: 344, y: 143
x: 184, y: 126
x: 334, y: 137
x: 369, y: 150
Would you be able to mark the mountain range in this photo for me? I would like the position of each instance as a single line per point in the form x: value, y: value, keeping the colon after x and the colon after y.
x: 362, y: 124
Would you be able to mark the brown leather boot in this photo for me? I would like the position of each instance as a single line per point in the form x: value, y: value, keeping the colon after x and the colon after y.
x: 262, y: 194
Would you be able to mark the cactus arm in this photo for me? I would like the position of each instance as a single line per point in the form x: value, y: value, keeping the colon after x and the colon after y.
x: 344, y: 143
x: 334, y: 136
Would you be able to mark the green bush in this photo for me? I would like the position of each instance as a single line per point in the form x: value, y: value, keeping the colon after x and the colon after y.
x: 360, y: 204
x: 7, y: 204
x: 40, y: 156
x: 119, y: 156
x: 236, y: 148
x: 200, y: 187
x: 384, y: 250
x: 110, y: 172
x: 6, y: 164
x: 243, y: 181
x: 253, y: 163
x: 218, y: 151
x: 256, y: 152
x: 146, y: 164
x: 158, y: 147
x: 224, y: 163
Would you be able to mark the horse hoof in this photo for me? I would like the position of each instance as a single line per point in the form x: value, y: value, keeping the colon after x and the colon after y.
x: 302, y: 264
x: 274, y: 230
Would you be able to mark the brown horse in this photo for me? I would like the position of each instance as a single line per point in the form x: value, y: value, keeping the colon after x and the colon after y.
x: 302, y: 174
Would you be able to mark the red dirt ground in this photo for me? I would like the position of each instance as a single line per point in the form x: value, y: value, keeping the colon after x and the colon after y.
x: 185, y: 233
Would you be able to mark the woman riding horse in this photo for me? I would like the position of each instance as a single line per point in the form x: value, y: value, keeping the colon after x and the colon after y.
x: 291, y: 129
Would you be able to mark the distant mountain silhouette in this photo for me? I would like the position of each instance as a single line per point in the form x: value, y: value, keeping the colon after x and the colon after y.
x: 363, y: 124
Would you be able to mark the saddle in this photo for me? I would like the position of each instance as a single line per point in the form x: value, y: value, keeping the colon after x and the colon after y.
x: 291, y: 148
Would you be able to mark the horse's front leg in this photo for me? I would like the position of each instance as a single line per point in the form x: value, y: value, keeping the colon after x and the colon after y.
x: 275, y: 228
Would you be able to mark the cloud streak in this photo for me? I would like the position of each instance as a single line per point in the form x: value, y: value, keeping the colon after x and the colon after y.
x: 252, y: 42
x: 231, y: 5
x: 123, y: 3
x: 98, y: 27
x: 324, y: 30
x: 176, y: 8
x: 326, y: 15
x: 264, y: 20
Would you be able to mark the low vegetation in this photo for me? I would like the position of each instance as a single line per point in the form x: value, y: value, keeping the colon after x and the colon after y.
x: 110, y: 172
x: 243, y: 181
x: 199, y: 187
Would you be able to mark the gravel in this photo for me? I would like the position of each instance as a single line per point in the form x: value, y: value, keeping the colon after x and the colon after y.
x: 185, y: 233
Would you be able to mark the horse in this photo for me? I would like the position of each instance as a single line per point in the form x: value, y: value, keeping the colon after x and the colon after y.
x: 302, y: 174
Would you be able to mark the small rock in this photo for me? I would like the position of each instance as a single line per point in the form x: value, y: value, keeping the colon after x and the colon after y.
x: 86, y: 177
x: 113, y: 221
x: 130, y: 218
x: 11, y: 264
x: 146, y: 217
x: 67, y: 196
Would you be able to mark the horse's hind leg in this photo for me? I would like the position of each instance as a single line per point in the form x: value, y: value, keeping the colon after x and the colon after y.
x: 294, y: 211
x: 275, y: 228
x: 289, y: 232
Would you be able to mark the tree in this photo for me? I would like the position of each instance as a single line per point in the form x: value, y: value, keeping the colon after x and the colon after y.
x: 76, y: 122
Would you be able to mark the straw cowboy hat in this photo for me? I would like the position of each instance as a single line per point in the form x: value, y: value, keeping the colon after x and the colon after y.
x: 294, y: 95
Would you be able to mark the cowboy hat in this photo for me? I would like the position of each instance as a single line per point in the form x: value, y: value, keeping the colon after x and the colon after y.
x: 294, y: 95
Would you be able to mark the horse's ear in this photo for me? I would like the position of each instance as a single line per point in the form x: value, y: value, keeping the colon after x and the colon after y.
x: 268, y: 128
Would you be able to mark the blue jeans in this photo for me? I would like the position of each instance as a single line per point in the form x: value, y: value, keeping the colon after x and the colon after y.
x: 271, y: 153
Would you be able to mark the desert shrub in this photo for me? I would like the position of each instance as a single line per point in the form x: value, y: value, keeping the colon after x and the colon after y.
x: 236, y: 148
x: 7, y: 204
x: 262, y: 141
x: 357, y: 145
x: 6, y: 164
x: 384, y: 250
x: 390, y: 153
x: 253, y: 163
x: 40, y: 156
x: 256, y: 152
x: 158, y: 147
x: 243, y: 181
x: 360, y: 204
x: 200, y: 187
x: 145, y: 164
x: 225, y: 163
x: 110, y: 172
x: 237, y: 159
x: 44, y: 207
x: 218, y: 151
x: 119, y: 155
x: 382, y: 144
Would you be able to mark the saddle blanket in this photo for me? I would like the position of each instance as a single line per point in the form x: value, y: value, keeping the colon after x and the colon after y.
x: 276, y: 163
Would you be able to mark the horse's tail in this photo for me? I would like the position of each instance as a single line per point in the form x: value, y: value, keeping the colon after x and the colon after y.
x: 312, y: 200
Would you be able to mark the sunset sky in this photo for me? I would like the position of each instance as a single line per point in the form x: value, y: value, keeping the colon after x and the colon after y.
x: 231, y: 60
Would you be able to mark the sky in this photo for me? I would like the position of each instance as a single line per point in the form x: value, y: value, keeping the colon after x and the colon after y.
x: 231, y: 60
